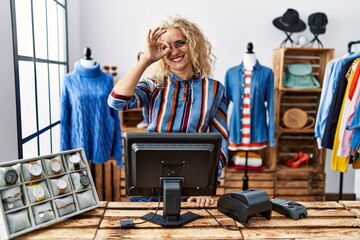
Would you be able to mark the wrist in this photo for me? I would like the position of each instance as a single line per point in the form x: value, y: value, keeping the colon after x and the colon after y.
x: 145, y: 61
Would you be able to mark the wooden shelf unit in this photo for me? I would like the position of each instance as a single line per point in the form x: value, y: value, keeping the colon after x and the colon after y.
x: 304, y: 183
x: 129, y: 119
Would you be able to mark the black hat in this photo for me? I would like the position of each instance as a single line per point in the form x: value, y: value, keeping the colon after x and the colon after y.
x: 290, y: 22
x: 317, y: 22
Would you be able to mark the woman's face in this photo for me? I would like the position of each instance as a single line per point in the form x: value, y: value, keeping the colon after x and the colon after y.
x: 179, y: 58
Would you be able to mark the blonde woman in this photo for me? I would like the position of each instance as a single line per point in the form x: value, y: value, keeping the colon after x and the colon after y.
x: 179, y: 96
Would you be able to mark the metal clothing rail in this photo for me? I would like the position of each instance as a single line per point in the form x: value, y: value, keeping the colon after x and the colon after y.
x: 350, y: 44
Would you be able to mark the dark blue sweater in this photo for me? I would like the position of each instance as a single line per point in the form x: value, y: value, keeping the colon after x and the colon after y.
x: 86, y: 119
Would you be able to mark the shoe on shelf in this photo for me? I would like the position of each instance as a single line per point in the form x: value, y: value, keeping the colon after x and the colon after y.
x: 288, y: 162
x: 296, y: 164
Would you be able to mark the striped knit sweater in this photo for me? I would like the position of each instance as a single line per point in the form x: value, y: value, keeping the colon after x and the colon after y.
x: 86, y: 119
x: 194, y: 106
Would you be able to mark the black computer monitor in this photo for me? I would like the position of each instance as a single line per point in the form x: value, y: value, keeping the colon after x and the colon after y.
x: 171, y: 165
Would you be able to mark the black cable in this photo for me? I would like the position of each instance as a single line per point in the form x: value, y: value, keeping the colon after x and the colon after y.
x: 225, y: 227
x: 154, y: 214
x: 126, y: 224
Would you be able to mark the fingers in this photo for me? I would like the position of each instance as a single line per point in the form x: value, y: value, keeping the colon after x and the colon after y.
x: 155, y: 48
x: 201, y: 201
x: 158, y: 32
x: 148, y: 35
x: 191, y: 199
x: 154, y: 34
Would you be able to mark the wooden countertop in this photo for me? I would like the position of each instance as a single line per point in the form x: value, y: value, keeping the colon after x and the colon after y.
x: 326, y: 220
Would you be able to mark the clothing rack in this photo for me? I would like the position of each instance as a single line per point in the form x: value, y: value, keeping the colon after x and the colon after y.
x: 350, y: 44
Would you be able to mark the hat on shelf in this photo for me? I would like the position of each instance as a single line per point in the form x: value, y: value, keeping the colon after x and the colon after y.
x: 290, y: 21
x: 317, y: 22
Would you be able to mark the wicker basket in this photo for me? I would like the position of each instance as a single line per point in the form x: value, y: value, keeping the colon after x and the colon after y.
x: 296, y: 118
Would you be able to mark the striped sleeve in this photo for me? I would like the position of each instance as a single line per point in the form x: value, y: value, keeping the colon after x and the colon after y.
x: 138, y: 100
x: 219, y: 125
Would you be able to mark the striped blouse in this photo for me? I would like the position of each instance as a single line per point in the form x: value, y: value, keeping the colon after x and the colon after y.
x: 194, y: 106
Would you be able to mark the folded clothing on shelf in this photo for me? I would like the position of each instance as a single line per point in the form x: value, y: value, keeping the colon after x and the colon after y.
x: 250, y: 168
x: 254, y: 159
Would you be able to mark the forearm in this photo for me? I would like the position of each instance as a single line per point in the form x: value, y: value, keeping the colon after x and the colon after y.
x: 153, y: 52
x: 127, y: 84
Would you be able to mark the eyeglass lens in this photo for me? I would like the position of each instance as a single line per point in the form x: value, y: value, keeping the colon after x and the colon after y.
x: 176, y: 45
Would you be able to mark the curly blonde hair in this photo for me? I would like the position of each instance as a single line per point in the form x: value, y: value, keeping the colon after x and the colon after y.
x: 202, y: 57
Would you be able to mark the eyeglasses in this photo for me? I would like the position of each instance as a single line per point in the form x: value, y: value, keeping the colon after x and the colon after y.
x: 178, y: 44
x: 107, y: 68
x: 111, y: 70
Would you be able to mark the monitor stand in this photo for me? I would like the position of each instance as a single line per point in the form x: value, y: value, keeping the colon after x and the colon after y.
x: 172, y: 206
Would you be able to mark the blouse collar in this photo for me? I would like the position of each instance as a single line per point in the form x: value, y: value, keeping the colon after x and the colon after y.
x: 196, y: 76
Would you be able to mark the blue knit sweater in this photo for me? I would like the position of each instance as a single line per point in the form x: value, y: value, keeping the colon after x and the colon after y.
x: 86, y: 119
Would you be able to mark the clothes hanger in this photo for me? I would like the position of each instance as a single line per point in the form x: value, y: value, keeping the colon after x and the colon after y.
x: 350, y: 44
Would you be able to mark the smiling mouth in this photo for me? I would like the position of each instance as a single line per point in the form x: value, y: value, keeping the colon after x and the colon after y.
x: 177, y: 59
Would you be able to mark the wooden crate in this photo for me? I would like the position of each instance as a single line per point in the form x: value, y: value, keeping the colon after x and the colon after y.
x: 306, y: 99
x: 304, y: 183
x: 268, y: 156
x: 317, y: 57
x: 108, y: 180
x: 129, y: 119
x: 290, y: 144
x: 264, y: 180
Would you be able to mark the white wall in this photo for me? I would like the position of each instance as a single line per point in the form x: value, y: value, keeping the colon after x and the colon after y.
x: 8, y: 132
x: 116, y: 29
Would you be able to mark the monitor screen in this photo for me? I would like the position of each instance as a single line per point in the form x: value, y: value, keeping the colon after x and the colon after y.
x: 171, y: 165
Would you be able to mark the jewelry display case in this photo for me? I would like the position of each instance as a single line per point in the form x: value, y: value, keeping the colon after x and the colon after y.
x: 41, y: 191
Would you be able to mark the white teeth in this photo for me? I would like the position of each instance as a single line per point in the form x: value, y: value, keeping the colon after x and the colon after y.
x: 178, y: 59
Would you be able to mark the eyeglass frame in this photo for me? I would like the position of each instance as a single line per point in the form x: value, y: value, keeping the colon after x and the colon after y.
x: 177, y: 44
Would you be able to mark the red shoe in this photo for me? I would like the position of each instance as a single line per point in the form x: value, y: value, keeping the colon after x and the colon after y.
x: 288, y: 162
x: 304, y: 159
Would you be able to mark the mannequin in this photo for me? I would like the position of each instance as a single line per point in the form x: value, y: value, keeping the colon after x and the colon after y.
x: 86, y: 60
x: 86, y: 119
x: 250, y: 87
x: 249, y: 62
x: 249, y: 57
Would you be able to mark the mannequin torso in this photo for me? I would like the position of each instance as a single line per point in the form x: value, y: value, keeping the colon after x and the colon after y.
x: 249, y: 61
x: 87, y: 63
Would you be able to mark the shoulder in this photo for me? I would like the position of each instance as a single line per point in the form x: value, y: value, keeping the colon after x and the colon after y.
x: 234, y: 69
x: 269, y: 70
x: 265, y: 68
x: 107, y: 77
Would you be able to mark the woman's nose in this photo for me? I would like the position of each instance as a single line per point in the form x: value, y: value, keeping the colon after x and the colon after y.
x: 173, y: 50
